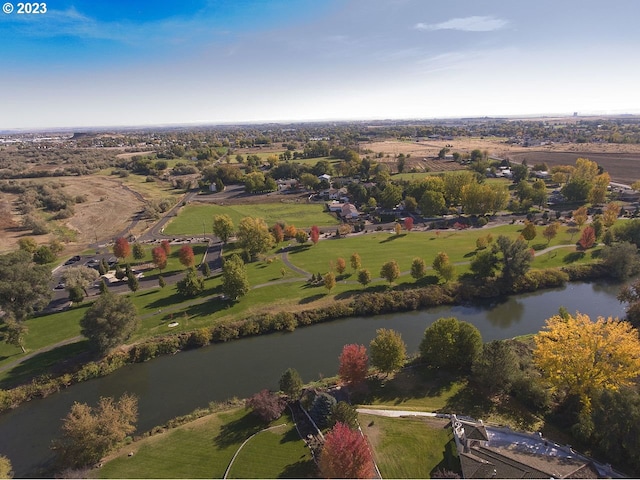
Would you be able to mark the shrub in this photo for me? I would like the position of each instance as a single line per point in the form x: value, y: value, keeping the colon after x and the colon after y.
x: 199, y: 338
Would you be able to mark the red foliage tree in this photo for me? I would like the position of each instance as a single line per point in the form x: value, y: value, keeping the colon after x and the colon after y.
x: 354, y: 364
x: 315, y: 234
x: 588, y: 238
x: 345, y: 454
x: 408, y: 224
x: 159, y: 258
x: 266, y: 405
x: 121, y: 248
x: 278, y: 234
x: 186, y: 256
x: 166, y: 246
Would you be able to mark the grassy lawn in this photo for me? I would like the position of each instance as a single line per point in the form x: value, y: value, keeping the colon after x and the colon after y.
x: 408, y: 447
x: 189, y: 220
x: 204, y: 448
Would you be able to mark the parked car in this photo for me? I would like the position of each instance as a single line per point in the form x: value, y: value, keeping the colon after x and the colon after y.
x: 59, y: 286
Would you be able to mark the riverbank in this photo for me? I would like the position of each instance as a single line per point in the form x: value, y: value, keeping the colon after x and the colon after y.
x: 365, y: 304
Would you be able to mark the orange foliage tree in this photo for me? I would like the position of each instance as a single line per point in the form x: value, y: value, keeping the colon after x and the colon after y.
x: 186, y: 256
x: 121, y: 248
x: 354, y: 364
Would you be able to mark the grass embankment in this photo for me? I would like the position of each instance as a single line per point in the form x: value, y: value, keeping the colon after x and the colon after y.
x: 204, y: 448
x: 191, y: 217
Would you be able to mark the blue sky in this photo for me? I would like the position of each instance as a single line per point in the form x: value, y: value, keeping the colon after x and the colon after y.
x: 92, y: 63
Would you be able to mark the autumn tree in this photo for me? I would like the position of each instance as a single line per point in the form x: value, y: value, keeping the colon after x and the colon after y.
x: 610, y: 214
x: 166, y: 246
x: 356, y: 262
x: 268, y: 406
x: 235, y: 282
x: 390, y: 271
x: 397, y: 229
x: 580, y: 216
x: 388, y: 351
x: 529, y: 231
x: 254, y: 236
x: 408, y: 224
x: 314, y: 234
x: 290, y: 232
x: 345, y: 454
x: 89, y: 433
x: 588, y: 238
x: 109, y: 322
x: 329, y: 281
x: 354, y: 364
x: 186, y: 256
x: 341, y: 265
x: 444, y: 267
x: 223, y: 227
x: 278, y: 233
x: 302, y: 236
x: 291, y: 383
x: 551, y: 231
x: 5, y: 467
x: 121, y: 248
x: 451, y: 344
x: 159, y: 258
x: 418, y: 268
x: 599, y: 189
x: 364, y: 277
x: 581, y: 357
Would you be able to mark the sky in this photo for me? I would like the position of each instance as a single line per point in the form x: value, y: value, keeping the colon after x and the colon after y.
x: 95, y: 63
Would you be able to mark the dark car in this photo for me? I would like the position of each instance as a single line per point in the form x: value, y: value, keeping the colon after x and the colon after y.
x: 72, y: 260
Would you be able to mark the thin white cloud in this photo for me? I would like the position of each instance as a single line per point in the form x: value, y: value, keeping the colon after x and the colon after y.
x: 467, y: 24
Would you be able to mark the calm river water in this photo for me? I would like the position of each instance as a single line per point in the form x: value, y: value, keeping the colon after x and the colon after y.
x: 175, y: 385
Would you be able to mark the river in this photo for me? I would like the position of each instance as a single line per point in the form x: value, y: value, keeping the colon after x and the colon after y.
x: 175, y: 385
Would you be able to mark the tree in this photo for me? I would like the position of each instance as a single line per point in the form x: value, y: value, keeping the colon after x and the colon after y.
x: 344, y: 412
x: 550, y: 231
x: 321, y: 409
x: 484, y: 264
x: 598, y: 192
x: 364, y: 277
x: 161, y: 281
x: 516, y: 257
x: 388, y: 351
x: 88, y: 434
x: 44, y: 255
x: 76, y: 294
x: 397, y: 229
x: 580, y: 216
x: 443, y: 267
x: 159, y: 258
x: 110, y: 321
x: 28, y: 244
x: 24, y: 286
x: 341, y: 265
x: 451, y: 344
x: 354, y: 364
x: 356, y: 262
x: 290, y: 232
x: 390, y: 271
x: 14, y: 332
x: 314, y: 235
x: 206, y: 270
x: 191, y: 285
x: 186, y: 256
x: 610, y: 214
x: 121, y: 248
x: 133, y: 283
x: 620, y: 259
x: 408, y: 224
x: 529, y: 231
x: 166, y: 246
x: 302, y: 236
x: 582, y: 357
x: 79, y: 276
x: 5, y: 467
x: 291, y: 383
x: 268, y: 406
x: 496, y: 367
x: 278, y: 234
x: 235, y: 283
x: 254, y: 237
x: 329, y: 281
x: 223, y: 227
x: 588, y: 238
x: 418, y: 268
x: 345, y: 454
x: 138, y: 251
x: 432, y: 203
x: 391, y: 195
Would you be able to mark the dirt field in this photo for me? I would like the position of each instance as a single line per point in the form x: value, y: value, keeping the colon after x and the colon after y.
x: 107, y: 211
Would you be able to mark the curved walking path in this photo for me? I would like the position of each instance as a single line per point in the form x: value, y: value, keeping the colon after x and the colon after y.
x: 287, y: 262
x: 226, y: 472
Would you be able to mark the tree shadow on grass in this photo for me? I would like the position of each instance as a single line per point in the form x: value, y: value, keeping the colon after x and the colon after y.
x: 300, y: 469
x: 297, y: 248
x: 450, y: 462
x: 53, y: 361
x: 207, y: 308
x: 393, y: 237
x: 572, y: 257
x: 290, y: 435
x: 357, y: 291
x: 470, y: 402
x: 311, y: 298
x: 237, y: 431
x: 539, y: 246
x: 471, y: 254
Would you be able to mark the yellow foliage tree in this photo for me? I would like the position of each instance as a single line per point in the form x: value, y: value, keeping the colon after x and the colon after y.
x: 582, y: 357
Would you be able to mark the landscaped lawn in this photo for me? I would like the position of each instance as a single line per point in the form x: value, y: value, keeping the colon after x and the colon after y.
x: 190, y: 219
x: 204, y: 448
x: 408, y: 447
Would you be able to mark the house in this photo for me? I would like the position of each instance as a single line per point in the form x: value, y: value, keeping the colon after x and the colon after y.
x: 334, y: 206
x: 492, y: 452
x: 324, y: 176
x: 349, y: 212
x: 337, y: 193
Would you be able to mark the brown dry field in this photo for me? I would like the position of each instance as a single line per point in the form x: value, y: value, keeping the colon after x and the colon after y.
x: 107, y: 211
x: 622, y: 161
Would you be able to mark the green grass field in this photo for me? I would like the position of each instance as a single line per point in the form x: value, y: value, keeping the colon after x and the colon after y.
x: 190, y: 219
x: 204, y: 448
